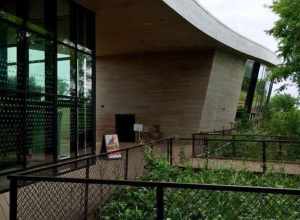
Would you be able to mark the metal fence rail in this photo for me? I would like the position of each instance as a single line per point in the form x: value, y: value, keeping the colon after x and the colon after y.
x: 165, y: 200
x: 80, y: 188
x: 257, y: 148
x: 33, y: 199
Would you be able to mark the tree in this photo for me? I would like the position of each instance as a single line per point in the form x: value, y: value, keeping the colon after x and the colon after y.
x: 282, y: 116
x: 287, y: 32
x: 283, y: 103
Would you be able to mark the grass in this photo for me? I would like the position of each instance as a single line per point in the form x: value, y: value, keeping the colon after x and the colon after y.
x: 139, y: 203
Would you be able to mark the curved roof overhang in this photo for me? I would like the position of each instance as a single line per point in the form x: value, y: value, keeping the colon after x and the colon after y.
x: 141, y: 26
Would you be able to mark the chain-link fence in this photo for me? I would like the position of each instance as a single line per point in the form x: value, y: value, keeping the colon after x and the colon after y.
x: 78, y: 198
x: 63, y: 200
x: 252, y: 152
x: 104, y: 188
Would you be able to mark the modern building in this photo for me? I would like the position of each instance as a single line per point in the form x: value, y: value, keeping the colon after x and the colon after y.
x: 71, y: 71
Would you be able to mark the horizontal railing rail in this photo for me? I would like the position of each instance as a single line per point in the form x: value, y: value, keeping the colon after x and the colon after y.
x: 75, y: 189
x: 163, y: 192
x: 214, y: 187
x: 101, y: 155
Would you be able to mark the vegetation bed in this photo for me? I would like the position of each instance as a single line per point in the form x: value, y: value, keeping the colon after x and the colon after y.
x: 130, y: 203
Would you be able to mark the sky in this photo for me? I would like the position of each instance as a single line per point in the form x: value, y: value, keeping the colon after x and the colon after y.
x: 251, y: 18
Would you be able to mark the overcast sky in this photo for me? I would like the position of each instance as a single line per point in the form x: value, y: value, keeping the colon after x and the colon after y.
x: 251, y: 18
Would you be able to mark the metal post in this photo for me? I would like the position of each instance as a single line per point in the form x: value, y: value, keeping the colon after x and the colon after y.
x: 171, y: 151
x: 233, y: 146
x: 264, y: 146
x: 126, y: 165
x: 159, y: 203
x: 280, y: 151
x: 13, y: 198
x: 206, y: 151
x: 193, y: 146
x: 86, y: 191
x: 168, y: 150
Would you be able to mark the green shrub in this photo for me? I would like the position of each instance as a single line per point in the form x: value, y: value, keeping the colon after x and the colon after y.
x: 129, y: 203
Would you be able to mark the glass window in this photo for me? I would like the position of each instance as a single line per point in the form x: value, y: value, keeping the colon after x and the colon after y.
x: 36, y: 13
x: 8, y: 7
x: 85, y: 28
x: 8, y: 57
x: 261, y: 90
x: 64, y: 24
x: 29, y: 129
x: 246, y: 84
x: 84, y: 66
x: 64, y: 132
x: 36, y: 81
x: 85, y: 113
x: 10, y: 106
x: 38, y: 134
x: 65, y: 70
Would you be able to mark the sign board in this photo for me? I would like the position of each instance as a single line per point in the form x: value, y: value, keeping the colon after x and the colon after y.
x: 111, y: 143
x: 138, y: 127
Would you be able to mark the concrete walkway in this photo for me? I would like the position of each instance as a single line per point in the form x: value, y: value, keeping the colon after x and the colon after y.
x: 243, y: 165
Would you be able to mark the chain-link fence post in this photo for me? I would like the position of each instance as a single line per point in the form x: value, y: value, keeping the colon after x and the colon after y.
x: 159, y: 203
x: 126, y: 165
x: 264, y: 165
x: 13, y: 198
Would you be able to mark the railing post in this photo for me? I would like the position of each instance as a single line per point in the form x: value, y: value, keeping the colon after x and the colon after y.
x: 264, y: 146
x: 86, y: 191
x: 206, y: 151
x: 171, y: 151
x: 159, y: 203
x: 233, y: 146
x: 13, y: 198
x: 126, y: 165
x: 193, y: 146
x: 280, y: 151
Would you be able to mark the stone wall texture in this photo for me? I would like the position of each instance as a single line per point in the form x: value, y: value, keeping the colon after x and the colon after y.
x: 223, y: 91
x: 4, y: 206
x: 181, y: 92
x: 160, y: 89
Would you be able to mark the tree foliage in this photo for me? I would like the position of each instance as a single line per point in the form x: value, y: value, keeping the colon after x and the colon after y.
x: 287, y: 32
x: 283, y: 103
x: 282, y: 116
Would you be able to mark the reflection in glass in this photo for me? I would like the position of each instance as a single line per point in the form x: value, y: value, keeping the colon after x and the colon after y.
x: 262, y: 89
x: 36, y: 13
x: 64, y: 21
x: 84, y: 66
x: 8, y: 9
x: 8, y: 57
x: 65, y: 70
x: 36, y: 80
x: 10, y: 117
x: 246, y: 84
x: 85, y: 113
x: 63, y: 132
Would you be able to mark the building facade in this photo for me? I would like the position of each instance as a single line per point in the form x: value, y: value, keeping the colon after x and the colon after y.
x: 47, y: 83
x: 72, y: 71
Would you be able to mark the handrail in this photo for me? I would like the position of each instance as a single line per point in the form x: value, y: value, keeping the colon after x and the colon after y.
x: 76, y: 160
x: 213, y: 187
x: 245, y: 135
x: 253, y: 141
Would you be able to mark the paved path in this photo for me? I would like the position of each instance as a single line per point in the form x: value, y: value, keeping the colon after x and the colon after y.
x: 240, y: 165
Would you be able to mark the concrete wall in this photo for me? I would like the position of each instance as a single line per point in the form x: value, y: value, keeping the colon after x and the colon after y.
x: 4, y: 206
x: 164, y: 89
x: 223, y: 92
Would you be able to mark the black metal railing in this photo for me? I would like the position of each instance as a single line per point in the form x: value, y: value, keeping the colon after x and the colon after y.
x: 81, y: 188
x: 130, y: 166
x: 78, y: 198
x: 256, y: 148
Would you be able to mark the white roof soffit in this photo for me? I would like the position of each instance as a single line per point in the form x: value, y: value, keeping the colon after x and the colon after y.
x: 195, y: 14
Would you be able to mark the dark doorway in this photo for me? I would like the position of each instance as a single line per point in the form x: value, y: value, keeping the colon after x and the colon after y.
x: 124, y: 127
